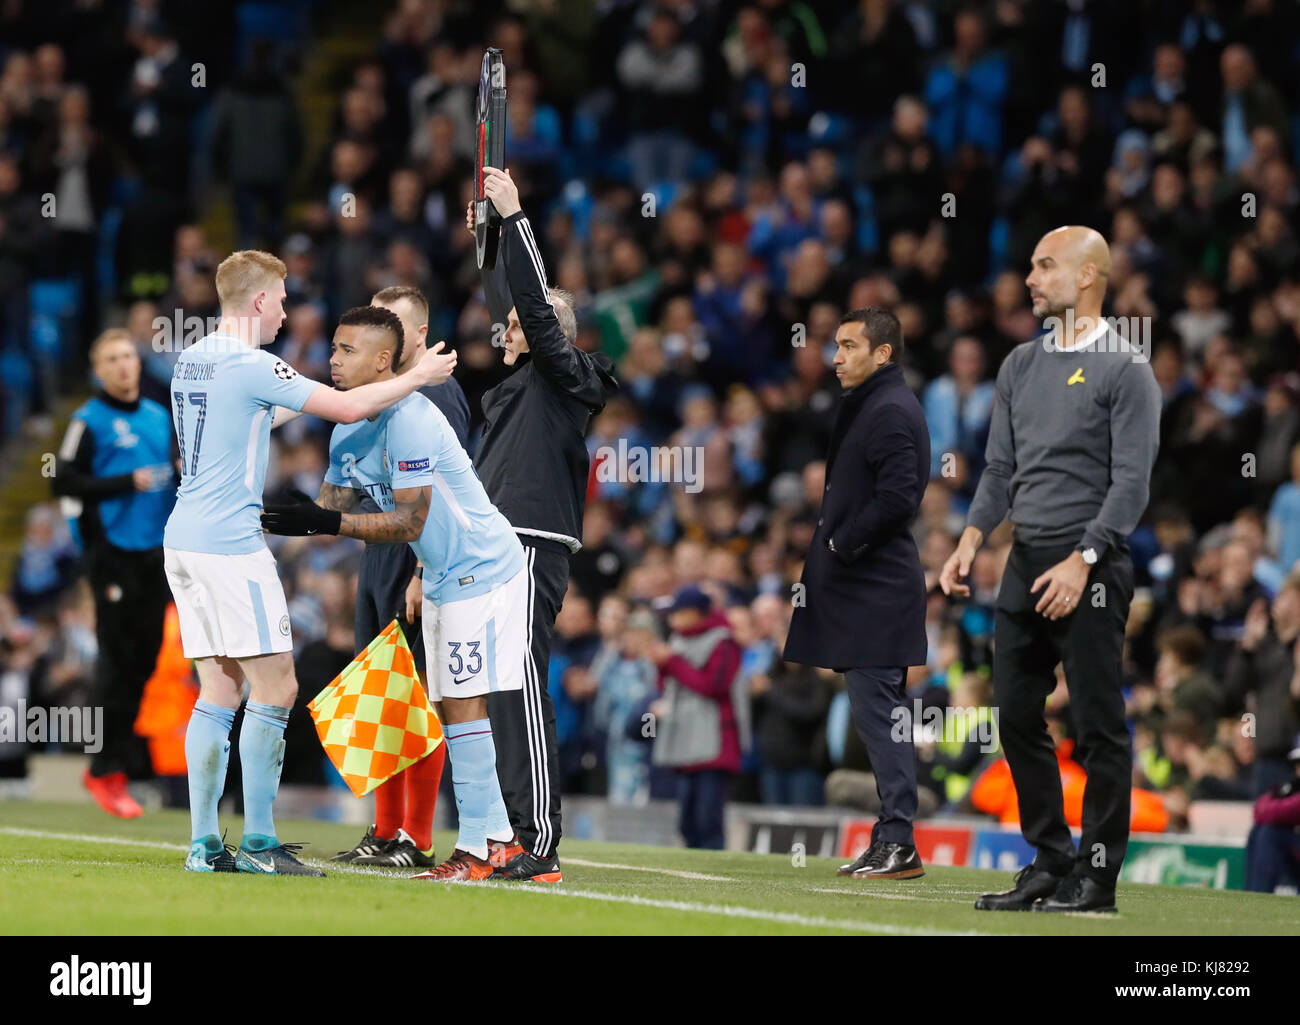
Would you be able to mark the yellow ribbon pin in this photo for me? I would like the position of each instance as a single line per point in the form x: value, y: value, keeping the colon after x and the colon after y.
x: 1077, y: 377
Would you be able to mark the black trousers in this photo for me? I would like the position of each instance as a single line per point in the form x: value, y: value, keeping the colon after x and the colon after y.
x: 131, y: 599
x: 523, y: 721
x: 1090, y: 644
x: 385, y: 571
x: 874, y: 693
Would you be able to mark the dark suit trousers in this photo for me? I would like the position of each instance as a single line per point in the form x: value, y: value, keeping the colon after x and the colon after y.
x: 874, y: 693
x: 1090, y: 643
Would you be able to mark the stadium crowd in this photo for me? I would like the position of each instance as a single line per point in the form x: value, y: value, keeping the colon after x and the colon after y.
x: 717, y: 183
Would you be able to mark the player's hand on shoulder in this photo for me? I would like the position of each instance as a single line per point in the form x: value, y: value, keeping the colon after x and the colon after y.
x: 436, y: 365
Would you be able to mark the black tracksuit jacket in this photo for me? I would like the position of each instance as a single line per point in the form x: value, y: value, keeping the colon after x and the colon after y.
x: 533, y: 457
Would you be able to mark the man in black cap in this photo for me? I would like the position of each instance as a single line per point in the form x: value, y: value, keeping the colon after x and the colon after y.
x: 860, y: 608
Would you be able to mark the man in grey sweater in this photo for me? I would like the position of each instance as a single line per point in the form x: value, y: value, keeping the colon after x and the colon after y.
x: 1070, y: 451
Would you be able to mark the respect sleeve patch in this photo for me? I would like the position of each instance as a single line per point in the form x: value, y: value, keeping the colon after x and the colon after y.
x: 411, y: 465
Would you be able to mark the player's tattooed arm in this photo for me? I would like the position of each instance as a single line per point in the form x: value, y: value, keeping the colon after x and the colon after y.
x: 338, y: 498
x: 404, y: 523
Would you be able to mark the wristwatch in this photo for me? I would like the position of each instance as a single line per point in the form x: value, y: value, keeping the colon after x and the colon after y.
x: 1089, y: 556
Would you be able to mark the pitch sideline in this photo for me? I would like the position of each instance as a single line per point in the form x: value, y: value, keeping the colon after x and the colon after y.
x: 690, y: 907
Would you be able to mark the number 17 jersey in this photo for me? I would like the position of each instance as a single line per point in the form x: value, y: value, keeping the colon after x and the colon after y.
x: 223, y: 399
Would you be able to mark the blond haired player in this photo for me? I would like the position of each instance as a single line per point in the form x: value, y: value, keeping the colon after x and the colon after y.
x: 233, y: 616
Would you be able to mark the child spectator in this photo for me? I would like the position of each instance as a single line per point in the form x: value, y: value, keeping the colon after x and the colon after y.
x: 697, y: 729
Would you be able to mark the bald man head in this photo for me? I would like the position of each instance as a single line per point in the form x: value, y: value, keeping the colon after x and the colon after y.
x: 1068, y: 271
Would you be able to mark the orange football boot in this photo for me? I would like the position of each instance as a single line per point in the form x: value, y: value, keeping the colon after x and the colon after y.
x: 502, y: 852
x: 461, y: 867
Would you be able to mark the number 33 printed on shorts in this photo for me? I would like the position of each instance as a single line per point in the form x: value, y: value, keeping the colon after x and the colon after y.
x: 471, y: 663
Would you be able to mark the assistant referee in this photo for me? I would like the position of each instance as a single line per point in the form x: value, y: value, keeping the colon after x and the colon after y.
x: 1070, y: 451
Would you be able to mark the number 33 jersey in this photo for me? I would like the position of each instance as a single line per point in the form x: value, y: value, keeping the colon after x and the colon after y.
x: 467, y: 548
x: 223, y: 399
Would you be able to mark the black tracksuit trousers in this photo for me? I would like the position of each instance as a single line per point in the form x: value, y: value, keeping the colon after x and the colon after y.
x: 523, y: 721
x: 131, y: 599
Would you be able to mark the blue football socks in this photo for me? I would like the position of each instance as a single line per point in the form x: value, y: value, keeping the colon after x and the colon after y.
x: 478, y: 792
x: 261, y: 757
x: 207, y: 753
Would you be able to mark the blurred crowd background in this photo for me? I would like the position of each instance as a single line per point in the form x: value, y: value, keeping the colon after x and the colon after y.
x: 716, y: 183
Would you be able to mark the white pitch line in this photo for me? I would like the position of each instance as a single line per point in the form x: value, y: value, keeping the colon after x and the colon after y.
x: 675, y: 873
x: 724, y: 910
x: 739, y: 911
x: 121, y: 841
x: 877, y: 895
x: 698, y: 876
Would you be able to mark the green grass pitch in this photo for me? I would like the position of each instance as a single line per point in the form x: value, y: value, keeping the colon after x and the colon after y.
x: 70, y: 869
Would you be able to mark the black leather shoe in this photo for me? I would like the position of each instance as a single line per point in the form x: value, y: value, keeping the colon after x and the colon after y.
x: 886, y: 861
x: 1079, y: 893
x: 853, y: 866
x: 1031, y: 884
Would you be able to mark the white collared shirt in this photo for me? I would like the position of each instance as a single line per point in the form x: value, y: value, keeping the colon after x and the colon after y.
x: 1088, y: 341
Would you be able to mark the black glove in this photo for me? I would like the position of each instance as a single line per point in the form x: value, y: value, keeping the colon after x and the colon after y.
x: 300, y: 517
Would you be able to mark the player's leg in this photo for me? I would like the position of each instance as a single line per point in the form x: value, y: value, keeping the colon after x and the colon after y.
x: 207, y: 756
x: 207, y: 735
x: 473, y: 647
x: 478, y: 794
x: 253, y: 624
x: 273, y: 686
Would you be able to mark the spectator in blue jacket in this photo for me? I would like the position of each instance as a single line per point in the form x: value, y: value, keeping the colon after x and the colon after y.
x: 965, y: 92
x: 958, y: 408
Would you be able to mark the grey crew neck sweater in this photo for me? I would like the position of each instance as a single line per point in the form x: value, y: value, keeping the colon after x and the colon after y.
x: 1072, y: 443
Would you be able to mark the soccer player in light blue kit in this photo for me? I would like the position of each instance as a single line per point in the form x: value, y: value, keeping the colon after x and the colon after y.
x: 233, y: 617
x: 474, y: 585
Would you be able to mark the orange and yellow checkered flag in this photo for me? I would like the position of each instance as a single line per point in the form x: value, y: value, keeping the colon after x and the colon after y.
x: 374, y: 719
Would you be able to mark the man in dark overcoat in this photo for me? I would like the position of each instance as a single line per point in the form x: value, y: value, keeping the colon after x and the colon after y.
x: 860, y: 609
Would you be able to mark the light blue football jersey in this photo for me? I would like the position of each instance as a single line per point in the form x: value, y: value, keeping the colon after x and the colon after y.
x: 467, y: 548
x: 223, y: 399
